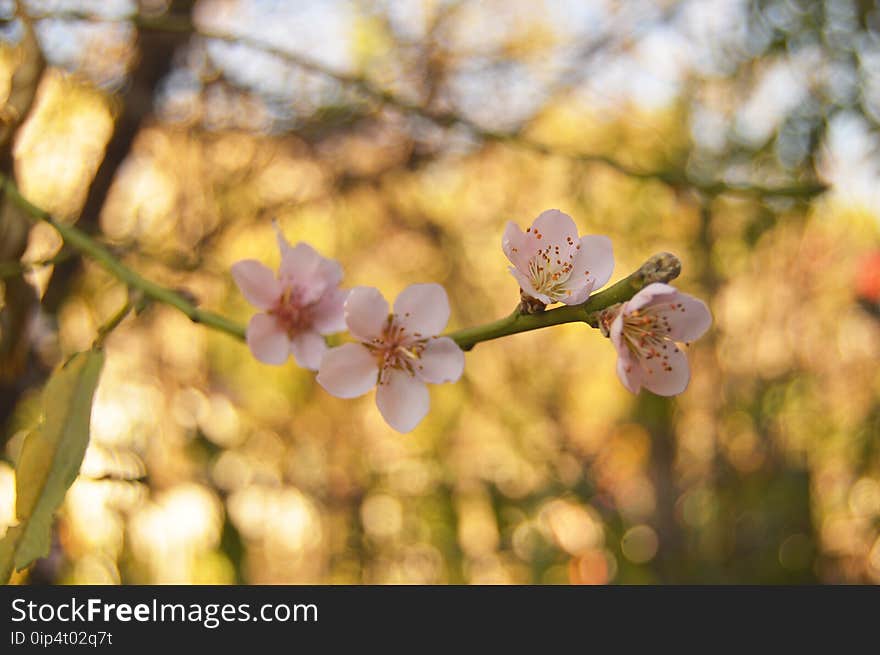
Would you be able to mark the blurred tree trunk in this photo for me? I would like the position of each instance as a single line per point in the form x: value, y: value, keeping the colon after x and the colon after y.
x: 154, y: 62
x: 655, y: 413
x: 19, y: 298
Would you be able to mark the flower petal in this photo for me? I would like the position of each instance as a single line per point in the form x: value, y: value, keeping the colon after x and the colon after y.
x: 366, y: 313
x: 615, y: 332
x: 256, y: 282
x: 517, y: 246
x: 441, y: 361
x: 629, y: 372
x: 528, y: 288
x: 298, y: 263
x: 267, y: 340
x: 283, y: 243
x: 628, y: 369
x: 403, y: 400
x: 650, y: 295
x: 668, y: 375
x: 423, y: 309
x: 329, y: 272
x: 348, y: 371
x: 688, y: 317
x: 577, y: 295
x: 304, y: 268
x: 555, y: 228
x: 594, y: 261
x: 330, y: 312
x: 307, y: 349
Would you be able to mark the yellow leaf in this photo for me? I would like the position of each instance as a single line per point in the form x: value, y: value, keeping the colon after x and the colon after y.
x: 50, y: 459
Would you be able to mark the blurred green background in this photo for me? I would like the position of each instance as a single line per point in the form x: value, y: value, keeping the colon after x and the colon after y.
x: 398, y: 138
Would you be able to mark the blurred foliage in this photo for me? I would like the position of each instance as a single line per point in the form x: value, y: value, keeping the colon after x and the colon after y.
x: 206, y: 466
x: 50, y: 459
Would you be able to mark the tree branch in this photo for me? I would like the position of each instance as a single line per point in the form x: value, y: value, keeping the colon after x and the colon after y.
x: 662, y: 267
x: 183, y: 24
x: 155, y: 52
x: 82, y: 242
x: 13, y: 269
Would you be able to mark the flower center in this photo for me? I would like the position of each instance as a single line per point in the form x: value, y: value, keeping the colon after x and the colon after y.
x: 549, y: 270
x: 293, y: 314
x: 646, y: 335
x: 397, y: 349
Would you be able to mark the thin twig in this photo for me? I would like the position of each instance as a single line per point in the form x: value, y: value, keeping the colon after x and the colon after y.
x: 12, y: 269
x: 662, y: 267
x: 82, y: 242
x: 675, y: 180
x: 112, y: 323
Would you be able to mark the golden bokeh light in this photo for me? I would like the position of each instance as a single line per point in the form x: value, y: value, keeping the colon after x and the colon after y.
x: 207, y: 466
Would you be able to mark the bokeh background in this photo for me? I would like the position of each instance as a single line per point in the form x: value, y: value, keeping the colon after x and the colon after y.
x: 399, y: 137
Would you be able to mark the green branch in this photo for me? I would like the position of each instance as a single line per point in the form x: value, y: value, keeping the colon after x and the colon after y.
x: 82, y: 242
x: 662, y: 267
x: 112, y: 323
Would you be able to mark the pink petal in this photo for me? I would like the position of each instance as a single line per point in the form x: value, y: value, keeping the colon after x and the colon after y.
x: 578, y: 294
x: 403, y: 400
x: 629, y: 372
x: 651, y: 294
x: 594, y: 262
x: 615, y: 331
x: 526, y: 285
x: 283, y: 244
x: 555, y: 228
x: 298, y: 263
x: 366, y: 313
x: 330, y: 312
x: 664, y: 382
x: 257, y: 283
x: 518, y: 246
x: 348, y: 371
x: 329, y: 272
x: 267, y: 339
x: 441, y: 361
x: 423, y: 309
x: 689, y: 321
x: 627, y: 365
x: 307, y: 349
x: 312, y: 274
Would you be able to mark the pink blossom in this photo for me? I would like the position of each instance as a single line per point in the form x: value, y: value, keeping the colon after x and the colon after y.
x: 645, y: 330
x: 300, y: 305
x: 399, y: 351
x: 552, y: 264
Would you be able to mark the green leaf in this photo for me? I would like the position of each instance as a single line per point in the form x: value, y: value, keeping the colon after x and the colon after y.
x: 50, y: 459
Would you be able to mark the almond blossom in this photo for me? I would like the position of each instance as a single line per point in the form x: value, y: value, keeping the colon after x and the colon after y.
x: 645, y: 329
x: 397, y: 351
x: 300, y: 304
x: 552, y: 264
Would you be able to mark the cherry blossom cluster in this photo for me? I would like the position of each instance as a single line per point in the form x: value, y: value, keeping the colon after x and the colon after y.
x: 398, y: 350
